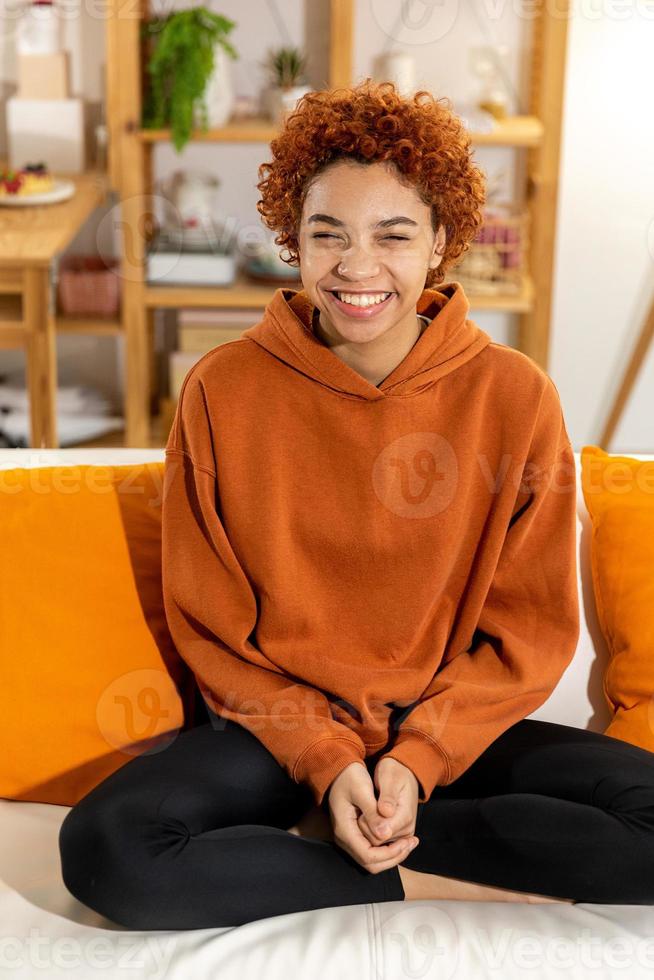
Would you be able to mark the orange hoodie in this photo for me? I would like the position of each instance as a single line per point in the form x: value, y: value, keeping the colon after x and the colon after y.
x: 354, y: 570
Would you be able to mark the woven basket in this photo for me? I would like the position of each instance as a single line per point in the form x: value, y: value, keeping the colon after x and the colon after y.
x: 89, y: 285
x: 496, y: 261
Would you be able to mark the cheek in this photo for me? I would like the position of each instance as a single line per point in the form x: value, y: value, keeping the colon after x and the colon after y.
x: 413, y: 258
x: 315, y: 267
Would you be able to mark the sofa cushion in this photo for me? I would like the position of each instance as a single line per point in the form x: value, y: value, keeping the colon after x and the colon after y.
x: 90, y: 675
x: 619, y: 496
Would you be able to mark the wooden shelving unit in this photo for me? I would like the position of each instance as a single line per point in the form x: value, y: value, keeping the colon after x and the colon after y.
x: 99, y: 326
x: 513, y: 131
x: 244, y: 294
x: 130, y: 175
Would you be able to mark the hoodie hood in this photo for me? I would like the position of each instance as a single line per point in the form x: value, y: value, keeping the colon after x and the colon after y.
x: 450, y: 340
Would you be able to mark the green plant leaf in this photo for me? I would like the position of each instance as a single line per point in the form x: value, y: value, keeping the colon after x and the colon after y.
x: 286, y: 66
x: 180, y: 67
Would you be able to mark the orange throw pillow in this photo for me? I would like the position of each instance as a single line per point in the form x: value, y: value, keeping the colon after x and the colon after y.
x: 90, y: 675
x: 619, y: 496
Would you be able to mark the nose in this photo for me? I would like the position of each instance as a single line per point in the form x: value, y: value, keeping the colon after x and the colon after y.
x: 358, y: 263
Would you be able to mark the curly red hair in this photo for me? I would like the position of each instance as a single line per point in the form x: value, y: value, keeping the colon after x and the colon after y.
x: 421, y: 136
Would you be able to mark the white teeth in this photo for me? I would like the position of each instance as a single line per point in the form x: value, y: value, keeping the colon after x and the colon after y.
x: 365, y: 299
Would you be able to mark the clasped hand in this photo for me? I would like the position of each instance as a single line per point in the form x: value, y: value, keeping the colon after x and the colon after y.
x: 378, y: 833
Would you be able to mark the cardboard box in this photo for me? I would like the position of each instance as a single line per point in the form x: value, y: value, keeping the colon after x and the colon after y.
x: 243, y: 318
x: 180, y: 363
x: 46, y: 130
x: 203, y: 339
x: 43, y: 76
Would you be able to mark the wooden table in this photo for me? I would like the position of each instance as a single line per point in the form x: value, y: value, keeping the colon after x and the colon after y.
x: 30, y: 238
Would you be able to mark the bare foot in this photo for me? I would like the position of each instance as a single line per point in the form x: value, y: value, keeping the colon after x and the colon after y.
x: 315, y: 823
x: 419, y: 885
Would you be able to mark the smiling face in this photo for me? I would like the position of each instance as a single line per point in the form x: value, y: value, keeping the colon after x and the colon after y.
x: 363, y: 231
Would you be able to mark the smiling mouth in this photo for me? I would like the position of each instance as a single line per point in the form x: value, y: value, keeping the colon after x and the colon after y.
x: 360, y: 292
x: 360, y: 310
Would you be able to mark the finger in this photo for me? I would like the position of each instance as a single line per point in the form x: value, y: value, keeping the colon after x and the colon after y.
x: 348, y: 832
x: 380, y: 828
x: 370, y: 836
x: 387, y: 829
x: 406, y: 830
x: 378, y: 868
x: 387, y: 802
x: 402, y: 824
x: 350, y: 837
x: 390, y: 814
x: 368, y: 818
x: 378, y: 853
x: 388, y: 855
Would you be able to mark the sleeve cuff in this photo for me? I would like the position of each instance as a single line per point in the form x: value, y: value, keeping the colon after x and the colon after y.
x: 320, y: 764
x: 424, y: 758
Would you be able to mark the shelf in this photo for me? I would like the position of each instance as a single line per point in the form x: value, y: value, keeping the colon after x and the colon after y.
x: 100, y: 326
x: 12, y: 330
x: 243, y: 293
x: 156, y: 438
x: 518, y: 301
x: 11, y: 280
x: 255, y: 130
x: 512, y: 131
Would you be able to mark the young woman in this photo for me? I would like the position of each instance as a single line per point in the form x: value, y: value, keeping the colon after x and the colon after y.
x: 369, y: 534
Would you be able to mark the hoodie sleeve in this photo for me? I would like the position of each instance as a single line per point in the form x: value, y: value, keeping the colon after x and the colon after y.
x: 211, y: 612
x: 526, y: 637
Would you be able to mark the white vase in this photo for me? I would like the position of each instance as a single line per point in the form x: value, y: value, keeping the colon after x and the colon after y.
x: 219, y: 93
x: 39, y: 29
x: 398, y: 67
x: 283, y: 100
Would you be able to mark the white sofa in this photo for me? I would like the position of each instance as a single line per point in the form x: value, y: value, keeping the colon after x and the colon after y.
x: 46, y: 933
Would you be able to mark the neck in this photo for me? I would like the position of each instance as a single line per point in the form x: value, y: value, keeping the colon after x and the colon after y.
x: 377, y: 359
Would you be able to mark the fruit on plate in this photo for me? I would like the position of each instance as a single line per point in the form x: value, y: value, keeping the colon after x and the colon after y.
x: 33, y: 178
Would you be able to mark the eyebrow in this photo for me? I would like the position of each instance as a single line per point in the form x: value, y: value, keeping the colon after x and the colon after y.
x: 386, y: 223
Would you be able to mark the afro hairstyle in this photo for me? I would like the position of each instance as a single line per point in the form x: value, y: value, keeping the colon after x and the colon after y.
x: 421, y: 136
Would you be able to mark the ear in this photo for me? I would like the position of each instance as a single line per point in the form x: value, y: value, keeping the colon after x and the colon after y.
x: 438, y: 248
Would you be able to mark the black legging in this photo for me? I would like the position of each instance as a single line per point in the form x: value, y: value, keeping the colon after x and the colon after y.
x: 194, y: 835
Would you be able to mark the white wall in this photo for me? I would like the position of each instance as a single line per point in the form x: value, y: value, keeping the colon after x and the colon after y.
x: 605, y: 247
x: 607, y: 190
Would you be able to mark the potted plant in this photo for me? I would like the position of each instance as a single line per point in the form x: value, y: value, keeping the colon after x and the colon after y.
x: 187, y: 60
x: 286, y: 68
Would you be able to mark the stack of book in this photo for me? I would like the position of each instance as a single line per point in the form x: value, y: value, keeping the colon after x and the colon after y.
x: 199, y: 331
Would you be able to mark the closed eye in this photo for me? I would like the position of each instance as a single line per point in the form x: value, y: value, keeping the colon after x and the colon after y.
x: 325, y: 234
